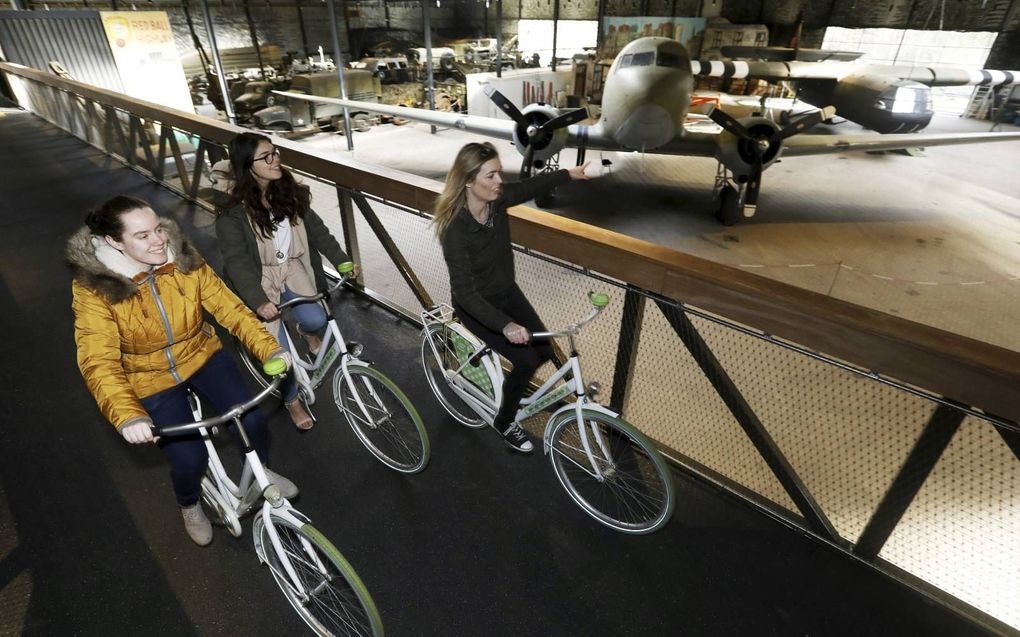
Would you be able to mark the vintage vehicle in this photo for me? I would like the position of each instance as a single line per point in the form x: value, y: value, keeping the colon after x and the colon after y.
x: 444, y: 59
x: 389, y: 69
x: 303, y: 116
x: 256, y: 96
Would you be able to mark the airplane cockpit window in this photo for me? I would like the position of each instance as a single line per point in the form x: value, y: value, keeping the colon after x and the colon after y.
x: 644, y: 59
x: 665, y: 58
x: 625, y: 60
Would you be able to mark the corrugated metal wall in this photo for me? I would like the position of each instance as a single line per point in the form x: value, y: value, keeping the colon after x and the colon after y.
x: 74, y: 38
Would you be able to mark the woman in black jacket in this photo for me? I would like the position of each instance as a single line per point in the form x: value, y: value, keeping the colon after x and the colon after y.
x: 271, y: 242
x: 474, y: 230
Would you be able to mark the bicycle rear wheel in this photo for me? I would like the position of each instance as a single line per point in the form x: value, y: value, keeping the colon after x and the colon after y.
x: 635, y: 492
x: 444, y: 360
x: 389, y: 426
x: 332, y: 599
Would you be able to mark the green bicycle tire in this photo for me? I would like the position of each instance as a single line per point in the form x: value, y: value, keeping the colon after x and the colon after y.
x: 357, y: 615
x: 404, y: 446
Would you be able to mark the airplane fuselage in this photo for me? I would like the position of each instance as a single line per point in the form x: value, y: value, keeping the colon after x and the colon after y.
x: 646, y: 94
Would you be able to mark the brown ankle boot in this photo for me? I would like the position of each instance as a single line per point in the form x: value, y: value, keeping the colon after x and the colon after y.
x: 299, y: 415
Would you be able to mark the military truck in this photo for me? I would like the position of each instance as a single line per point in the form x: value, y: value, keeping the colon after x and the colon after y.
x: 303, y: 116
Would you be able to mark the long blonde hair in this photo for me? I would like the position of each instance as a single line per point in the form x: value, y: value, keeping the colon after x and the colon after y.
x: 465, y: 168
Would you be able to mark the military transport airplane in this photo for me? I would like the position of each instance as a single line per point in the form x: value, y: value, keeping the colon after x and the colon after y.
x: 884, y: 98
x: 645, y: 102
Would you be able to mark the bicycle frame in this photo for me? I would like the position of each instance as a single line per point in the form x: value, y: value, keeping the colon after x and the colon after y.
x: 568, y: 376
x: 235, y: 495
x: 311, y: 374
x: 327, y: 354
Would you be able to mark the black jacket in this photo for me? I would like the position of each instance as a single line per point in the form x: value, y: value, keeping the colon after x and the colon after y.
x: 480, y: 259
x: 242, y: 267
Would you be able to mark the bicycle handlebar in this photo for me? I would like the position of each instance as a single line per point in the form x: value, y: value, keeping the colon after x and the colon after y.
x: 234, y: 412
x: 599, y: 302
x: 345, y: 269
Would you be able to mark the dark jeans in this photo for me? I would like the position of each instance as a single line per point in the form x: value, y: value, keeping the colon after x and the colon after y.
x: 219, y: 384
x: 526, y: 359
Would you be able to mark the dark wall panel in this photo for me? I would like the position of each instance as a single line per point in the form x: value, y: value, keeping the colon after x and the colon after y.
x: 74, y: 38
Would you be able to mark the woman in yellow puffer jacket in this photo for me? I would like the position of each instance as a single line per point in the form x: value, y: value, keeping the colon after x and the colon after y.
x: 139, y: 291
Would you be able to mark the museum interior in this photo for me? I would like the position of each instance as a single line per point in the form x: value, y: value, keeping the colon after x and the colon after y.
x: 783, y: 235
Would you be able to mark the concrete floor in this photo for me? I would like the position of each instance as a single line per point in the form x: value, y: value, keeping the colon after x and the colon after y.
x: 933, y: 239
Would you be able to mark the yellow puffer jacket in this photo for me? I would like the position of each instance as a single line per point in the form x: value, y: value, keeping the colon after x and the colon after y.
x: 139, y: 336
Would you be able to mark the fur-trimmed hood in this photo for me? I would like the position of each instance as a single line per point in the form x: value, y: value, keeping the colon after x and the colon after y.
x: 115, y: 286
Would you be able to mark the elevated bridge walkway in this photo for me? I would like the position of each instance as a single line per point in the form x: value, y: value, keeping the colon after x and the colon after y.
x: 839, y: 471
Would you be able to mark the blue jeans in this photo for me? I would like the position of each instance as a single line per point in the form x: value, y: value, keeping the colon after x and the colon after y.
x: 219, y: 384
x: 311, y: 318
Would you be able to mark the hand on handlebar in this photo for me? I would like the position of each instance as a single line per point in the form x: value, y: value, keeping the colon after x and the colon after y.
x: 516, y: 334
x: 138, y: 432
x: 349, y: 269
x: 287, y: 359
x: 268, y: 311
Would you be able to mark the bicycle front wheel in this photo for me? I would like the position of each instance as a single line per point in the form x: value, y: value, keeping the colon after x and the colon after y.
x: 612, y: 471
x: 440, y: 363
x: 383, y: 418
x: 331, y: 598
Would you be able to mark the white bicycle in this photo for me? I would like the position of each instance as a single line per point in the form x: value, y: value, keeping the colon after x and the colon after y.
x: 382, y: 416
x: 316, y: 579
x: 607, y: 466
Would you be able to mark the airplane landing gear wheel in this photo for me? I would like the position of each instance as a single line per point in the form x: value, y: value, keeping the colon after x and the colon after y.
x: 730, y: 207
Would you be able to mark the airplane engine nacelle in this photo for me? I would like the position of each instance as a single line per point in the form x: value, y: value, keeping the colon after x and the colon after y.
x: 551, y: 142
x: 883, y: 104
x: 738, y: 155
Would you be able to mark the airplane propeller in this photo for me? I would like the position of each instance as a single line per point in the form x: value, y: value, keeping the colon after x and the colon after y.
x: 759, y: 144
x: 531, y: 131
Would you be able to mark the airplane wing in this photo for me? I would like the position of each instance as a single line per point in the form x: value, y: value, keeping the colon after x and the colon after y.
x: 591, y: 137
x: 695, y: 143
x: 801, y: 145
x: 491, y: 126
x: 836, y: 71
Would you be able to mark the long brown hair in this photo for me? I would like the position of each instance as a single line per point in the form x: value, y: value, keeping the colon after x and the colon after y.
x: 465, y: 168
x: 287, y: 198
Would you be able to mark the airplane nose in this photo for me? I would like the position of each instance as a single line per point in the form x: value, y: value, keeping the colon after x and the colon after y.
x: 647, y: 127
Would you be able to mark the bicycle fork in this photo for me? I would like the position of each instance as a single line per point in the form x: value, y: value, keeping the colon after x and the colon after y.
x: 292, y: 578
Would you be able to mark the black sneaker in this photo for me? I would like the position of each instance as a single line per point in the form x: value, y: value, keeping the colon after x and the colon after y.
x: 517, y: 439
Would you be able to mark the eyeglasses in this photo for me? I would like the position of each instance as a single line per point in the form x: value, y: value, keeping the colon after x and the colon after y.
x: 269, y: 158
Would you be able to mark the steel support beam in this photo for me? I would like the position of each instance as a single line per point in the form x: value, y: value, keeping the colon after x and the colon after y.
x: 338, y: 61
x: 927, y: 451
x: 254, y: 38
x: 393, y: 251
x: 499, y: 38
x: 627, y: 347
x: 430, y: 83
x: 767, y: 448
x: 221, y: 78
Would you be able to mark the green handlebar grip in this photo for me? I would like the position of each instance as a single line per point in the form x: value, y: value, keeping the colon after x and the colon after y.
x: 599, y: 299
x: 274, y: 366
x: 345, y: 267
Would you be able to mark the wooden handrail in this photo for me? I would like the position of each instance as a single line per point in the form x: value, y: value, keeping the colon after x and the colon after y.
x: 972, y: 372
x: 963, y: 369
